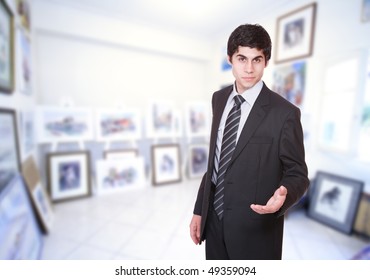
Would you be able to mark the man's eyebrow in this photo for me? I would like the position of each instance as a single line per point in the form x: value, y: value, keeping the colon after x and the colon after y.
x: 243, y: 56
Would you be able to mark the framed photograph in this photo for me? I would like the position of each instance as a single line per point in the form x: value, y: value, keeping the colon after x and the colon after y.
x: 118, y: 125
x: 69, y: 175
x: 290, y: 81
x: 26, y: 132
x: 121, y: 154
x: 198, y: 160
x: 9, y: 146
x: 59, y: 124
x: 40, y: 198
x: 7, y: 48
x: 161, y: 120
x: 166, y: 164
x: 365, y: 11
x: 197, y: 121
x: 295, y: 34
x: 335, y: 200
x: 24, y: 12
x: 119, y: 175
x: 23, y: 68
x: 20, y: 234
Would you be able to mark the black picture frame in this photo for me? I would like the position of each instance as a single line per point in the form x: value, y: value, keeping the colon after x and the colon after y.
x: 10, y: 162
x: 7, y: 79
x: 335, y: 200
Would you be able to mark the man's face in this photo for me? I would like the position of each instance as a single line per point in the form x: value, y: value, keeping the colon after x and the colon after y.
x: 247, y: 66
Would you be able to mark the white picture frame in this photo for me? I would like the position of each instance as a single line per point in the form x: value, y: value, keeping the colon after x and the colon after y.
x: 197, y: 119
x: 63, y: 124
x: 114, y: 175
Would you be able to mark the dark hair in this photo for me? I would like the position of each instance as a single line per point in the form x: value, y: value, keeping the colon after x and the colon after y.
x: 250, y: 35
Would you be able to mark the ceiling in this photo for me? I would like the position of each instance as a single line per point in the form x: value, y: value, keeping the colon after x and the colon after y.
x: 206, y: 19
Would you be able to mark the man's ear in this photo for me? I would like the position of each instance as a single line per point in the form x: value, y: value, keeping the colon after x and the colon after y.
x: 229, y: 60
x: 267, y: 63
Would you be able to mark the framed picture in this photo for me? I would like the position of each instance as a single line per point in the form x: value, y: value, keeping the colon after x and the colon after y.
x: 295, y: 34
x: 40, y: 198
x: 198, y: 160
x: 9, y: 146
x: 290, y: 81
x: 335, y: 200
x: 118, y: 125
x: 365, y: 11
x: 119, y: 175
x: 69, y: 175
x: 24, y: 12
x: 23, y: 59
x: 166, y: 164
x: 197, y: 122
x: 121, y: 154
x: 7, y: 48
x: 20, y: 234
x: 26, y: 132
x: 161, y: 120
x: 59, y: 124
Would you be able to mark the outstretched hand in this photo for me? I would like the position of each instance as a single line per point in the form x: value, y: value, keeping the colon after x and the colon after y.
x: 274, y: 203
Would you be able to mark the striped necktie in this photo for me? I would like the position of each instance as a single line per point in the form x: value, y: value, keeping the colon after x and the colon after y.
x: 227, y: 149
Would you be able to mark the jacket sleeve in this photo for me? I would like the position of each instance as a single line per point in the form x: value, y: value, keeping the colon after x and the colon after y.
x: 199, y: 200
x: 292, y: 156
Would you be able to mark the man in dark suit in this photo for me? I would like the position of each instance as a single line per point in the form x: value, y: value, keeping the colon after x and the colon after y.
x: 239, y: 210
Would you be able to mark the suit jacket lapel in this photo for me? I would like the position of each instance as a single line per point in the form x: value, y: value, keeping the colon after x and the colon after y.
x: 218, y: 109
x: 255, y: 117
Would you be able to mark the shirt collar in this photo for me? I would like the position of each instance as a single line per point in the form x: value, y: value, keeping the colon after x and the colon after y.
x: 250, y: 95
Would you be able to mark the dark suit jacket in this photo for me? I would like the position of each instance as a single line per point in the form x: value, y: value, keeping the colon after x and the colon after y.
x: 269, y: 153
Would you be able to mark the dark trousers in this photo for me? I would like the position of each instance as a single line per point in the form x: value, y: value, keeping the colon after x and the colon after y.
x: 215, y: 243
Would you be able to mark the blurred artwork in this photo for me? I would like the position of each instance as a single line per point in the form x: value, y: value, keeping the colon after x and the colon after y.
x: 114, y: 175
x: 198, y: 159
x: 161, y: 120
x: 365, y: 15
x: 197, y: 119
x: 118, y: 125
x: 59, y: 124
x: 289, y: 82
x: 166, y: 164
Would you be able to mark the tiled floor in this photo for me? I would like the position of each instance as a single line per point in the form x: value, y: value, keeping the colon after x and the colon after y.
x: 153, y: 223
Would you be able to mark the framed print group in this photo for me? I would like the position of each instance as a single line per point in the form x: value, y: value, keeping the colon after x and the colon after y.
x: 6, y: 46
x: 335, y: 200
x: 9, y: 147
x: 166, y: 164
x: 69, y: 175
x: 295, y: 34
x: 20, y: 234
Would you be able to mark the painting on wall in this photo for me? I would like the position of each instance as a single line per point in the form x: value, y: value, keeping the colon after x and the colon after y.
x: 119, y: 175
x: 197, y: 119
x: 69, y: 175
x: 365, y: 11
x: 161, y: 120
x: 198, y: 160
x: 23, y: 62
x: 6, y: 47
x: 20, y: 235
x: 166, y: 164
x: 290, y: 80
x: 335, y: 200
x: 59, y: 124
x: 27, y: 132
x: 118, y: 125
x: 295, y: 34
x: 9, y: 151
